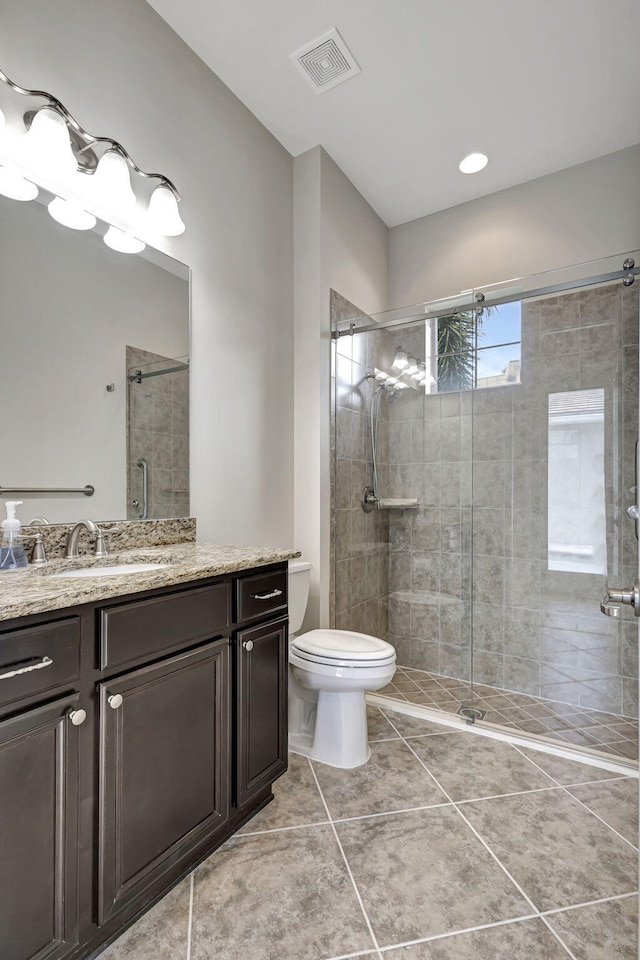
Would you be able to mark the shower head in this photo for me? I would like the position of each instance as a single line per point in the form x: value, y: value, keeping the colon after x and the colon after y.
x: 393, y: 394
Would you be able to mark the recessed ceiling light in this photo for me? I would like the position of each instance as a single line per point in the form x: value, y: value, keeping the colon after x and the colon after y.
x: 473, y: 163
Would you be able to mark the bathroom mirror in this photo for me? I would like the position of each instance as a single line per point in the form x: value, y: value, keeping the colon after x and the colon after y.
x: 94, y: 388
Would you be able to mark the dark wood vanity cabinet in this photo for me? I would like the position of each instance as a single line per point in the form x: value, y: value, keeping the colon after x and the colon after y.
x: 156, y: 732
x: 39, y: 791
x: 261, y: 708
x: 164, y: 756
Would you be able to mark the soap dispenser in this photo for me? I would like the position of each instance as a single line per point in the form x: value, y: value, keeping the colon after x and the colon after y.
x: 12, y: 553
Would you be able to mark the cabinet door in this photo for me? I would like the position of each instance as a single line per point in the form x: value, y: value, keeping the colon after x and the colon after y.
x: 261, y: 708
x: 39, y: 833
x: 164, y: 771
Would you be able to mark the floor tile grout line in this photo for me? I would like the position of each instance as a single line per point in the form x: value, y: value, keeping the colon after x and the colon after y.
x: 295, y: 826
x: 346, y: 863
x: 598, y: 817
x: 388, y: 813
x: 349, y: 956
x: 589, y: 903
x: 503, y: 796
x: 499, y: 862
x: 558, y: 937
x: 190, y: 920
x: 588, y: 783
x: 457, y: 933
x: 475, y: 832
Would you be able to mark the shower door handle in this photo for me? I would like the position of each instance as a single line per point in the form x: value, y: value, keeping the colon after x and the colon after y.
x: 613, y: 598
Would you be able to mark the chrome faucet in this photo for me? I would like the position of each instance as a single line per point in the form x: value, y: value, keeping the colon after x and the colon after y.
x: 72, y: 540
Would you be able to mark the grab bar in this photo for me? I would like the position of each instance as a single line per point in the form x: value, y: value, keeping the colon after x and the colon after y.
x: 88, y: 490
x: 144, y: 466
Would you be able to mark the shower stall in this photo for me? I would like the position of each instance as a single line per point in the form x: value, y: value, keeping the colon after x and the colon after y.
x: 157, y: 435
x: 484, y: 493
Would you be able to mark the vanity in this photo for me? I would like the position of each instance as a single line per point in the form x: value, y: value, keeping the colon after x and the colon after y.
x: 143, y: 720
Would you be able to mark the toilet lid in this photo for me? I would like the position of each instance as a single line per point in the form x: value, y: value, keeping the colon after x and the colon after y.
x: 343, y: 645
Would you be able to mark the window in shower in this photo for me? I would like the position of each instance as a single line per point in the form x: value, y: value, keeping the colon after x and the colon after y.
x: 576, y: 515
x: 478, y: 349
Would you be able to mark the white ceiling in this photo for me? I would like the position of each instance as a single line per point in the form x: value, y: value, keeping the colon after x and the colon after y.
x: 539, y: 86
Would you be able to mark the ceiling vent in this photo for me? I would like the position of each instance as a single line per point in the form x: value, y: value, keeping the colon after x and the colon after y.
x: 326, y: 61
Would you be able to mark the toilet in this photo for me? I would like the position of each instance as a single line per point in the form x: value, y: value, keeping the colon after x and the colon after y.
x: 330, y: 673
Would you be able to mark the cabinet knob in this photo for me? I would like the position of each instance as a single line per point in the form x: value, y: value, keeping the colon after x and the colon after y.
x: 115, y: 701
x: 77, y: 717
x: 248, y: 645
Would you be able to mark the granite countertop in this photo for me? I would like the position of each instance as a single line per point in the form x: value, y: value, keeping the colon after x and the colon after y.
x: 34, y: 589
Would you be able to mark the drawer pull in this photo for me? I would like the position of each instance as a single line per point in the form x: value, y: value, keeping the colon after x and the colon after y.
x: 115, y: 701
x: 77, y: 717
x: 267, y: 596
x: 248, y: 645
x: 26, y: 667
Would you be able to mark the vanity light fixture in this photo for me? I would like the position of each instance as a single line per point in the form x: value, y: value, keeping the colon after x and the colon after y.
x: 163, y: 212
x: 400, y: 361
x: 123, y: 242
x: 71, y: 214
x: 473, y: 163
x: 14, y: 186
x: 87, y: 177
x: 111, y: 183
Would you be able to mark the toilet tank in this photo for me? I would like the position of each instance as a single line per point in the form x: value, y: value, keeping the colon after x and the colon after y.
x: 299, y: 578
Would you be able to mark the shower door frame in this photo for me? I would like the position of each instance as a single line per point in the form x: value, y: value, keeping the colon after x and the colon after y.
x: 569, y: 279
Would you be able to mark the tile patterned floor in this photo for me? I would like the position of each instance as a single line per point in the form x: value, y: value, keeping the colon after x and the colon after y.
x: 445, y: 846
x: 603, y: 732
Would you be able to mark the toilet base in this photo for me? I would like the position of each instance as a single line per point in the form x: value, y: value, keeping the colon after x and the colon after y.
x: 337, y: 734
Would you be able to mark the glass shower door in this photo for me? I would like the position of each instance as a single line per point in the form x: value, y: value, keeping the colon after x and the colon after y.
x: 554, y: 472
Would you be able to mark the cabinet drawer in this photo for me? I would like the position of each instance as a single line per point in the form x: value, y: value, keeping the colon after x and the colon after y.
x: 261, y: 594
x: 48, y: 654
x: 136, y: 631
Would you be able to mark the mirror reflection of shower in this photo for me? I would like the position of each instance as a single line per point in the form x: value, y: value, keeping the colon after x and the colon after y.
x: 157, y: 435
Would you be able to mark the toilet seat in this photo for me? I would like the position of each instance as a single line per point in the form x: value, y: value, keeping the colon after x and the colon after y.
x: 337, y: 647
x: 301, y: 658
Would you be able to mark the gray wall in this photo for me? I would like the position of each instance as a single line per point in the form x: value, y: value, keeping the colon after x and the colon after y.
x: 122, y: 72
x: 340, y: 244
x: 583, y: 213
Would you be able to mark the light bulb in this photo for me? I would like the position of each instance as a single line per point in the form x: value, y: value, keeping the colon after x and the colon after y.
x: 473, y: 163
x: 163, y: 216
x: 391, y: 381
x: 380, y: 375
x: 401, y: 386
x: 400, y: 360
x: 46, y: 147
x: 412, y: 366
x: 71, y: 214
x: 111, y: 183
x: 122, y: 242
x: 15, y: 187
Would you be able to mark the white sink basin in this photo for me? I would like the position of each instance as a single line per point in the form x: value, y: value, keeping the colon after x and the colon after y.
x: 113, y: 571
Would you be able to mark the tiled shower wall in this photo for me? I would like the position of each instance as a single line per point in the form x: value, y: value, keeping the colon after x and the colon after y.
x: 359, y: 540
x: 477, y: 462
x: 158, y: 431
